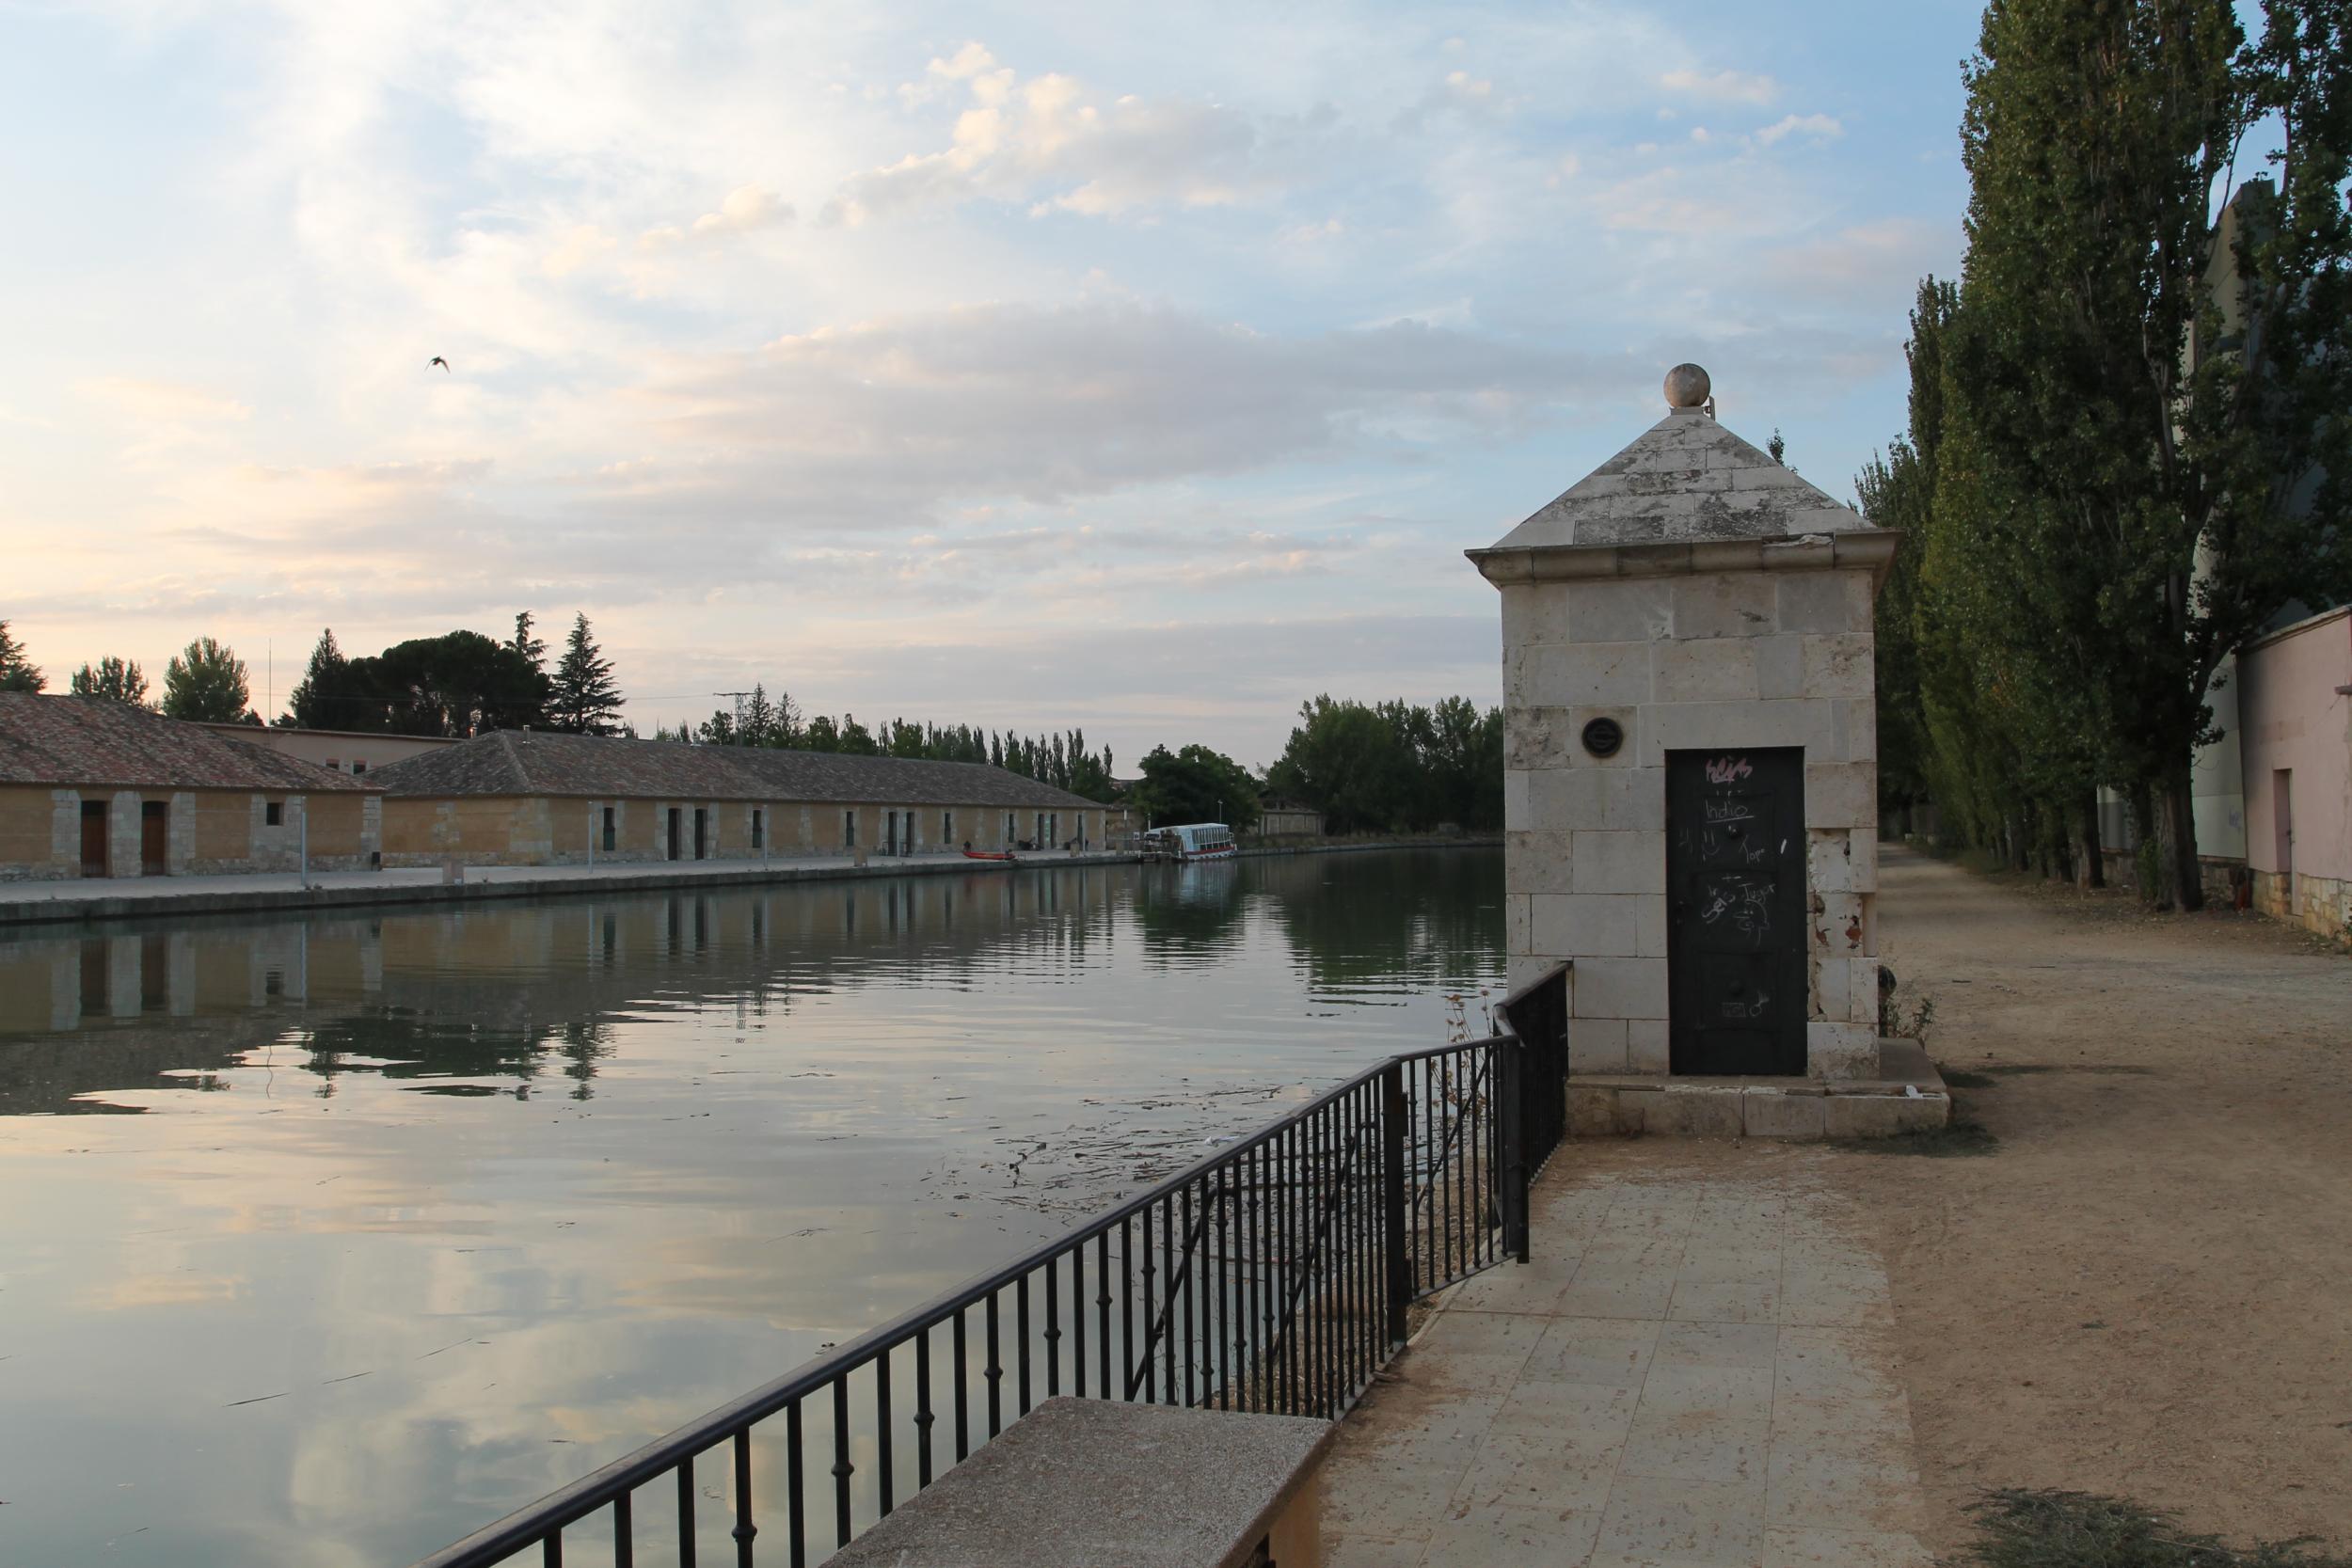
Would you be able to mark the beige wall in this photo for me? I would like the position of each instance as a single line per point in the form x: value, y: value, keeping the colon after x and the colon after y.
x: 2296, y: 736
x: 559, y: 830
x: 1754, y: 659
x: 207, y: 832
x: 345, y: 752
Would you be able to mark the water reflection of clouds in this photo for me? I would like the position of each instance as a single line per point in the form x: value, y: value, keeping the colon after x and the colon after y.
x: 472, y: 1203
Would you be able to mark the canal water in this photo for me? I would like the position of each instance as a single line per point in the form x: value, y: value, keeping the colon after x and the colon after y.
x: 326, y: 1240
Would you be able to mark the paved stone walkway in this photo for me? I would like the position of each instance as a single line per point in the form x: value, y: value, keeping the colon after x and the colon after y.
x: 1691, y: 1371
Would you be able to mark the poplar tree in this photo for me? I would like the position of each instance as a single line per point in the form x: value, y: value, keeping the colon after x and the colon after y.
x: 2153, y: 382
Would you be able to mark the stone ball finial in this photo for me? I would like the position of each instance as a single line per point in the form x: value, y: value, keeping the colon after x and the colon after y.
x: 1687, y: 386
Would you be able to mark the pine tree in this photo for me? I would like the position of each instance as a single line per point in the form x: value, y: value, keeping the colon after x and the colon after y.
x: 114, y: 679
x: 759, y: 719
x: 17, y: 673
x: 524, y: 643
x: 584, y: 697
x: 322, y: 699
x: 205, y: 683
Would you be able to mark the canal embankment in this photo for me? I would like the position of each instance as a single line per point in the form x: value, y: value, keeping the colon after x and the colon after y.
x: 84, y: 900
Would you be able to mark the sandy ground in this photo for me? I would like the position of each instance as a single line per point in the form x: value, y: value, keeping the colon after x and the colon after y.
x: 2146, y: 1287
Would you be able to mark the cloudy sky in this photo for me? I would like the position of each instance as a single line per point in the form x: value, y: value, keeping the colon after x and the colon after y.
x: 1142, y: 368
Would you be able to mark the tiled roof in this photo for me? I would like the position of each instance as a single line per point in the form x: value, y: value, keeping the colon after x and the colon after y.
x: 539, y: 762
x: 83, y: 740
x: 1684, y: 480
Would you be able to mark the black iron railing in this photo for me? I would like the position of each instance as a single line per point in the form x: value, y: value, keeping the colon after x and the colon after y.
x: 1273, y: 1277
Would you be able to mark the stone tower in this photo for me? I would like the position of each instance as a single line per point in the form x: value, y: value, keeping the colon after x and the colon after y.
x: 1691, y: 794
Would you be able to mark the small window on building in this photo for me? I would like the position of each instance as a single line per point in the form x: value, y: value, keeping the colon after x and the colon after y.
x: 357, y: 767
x: 273, y: 814
x: 849, y: 830
x: 608, y: 827
x: 759, y: 830
x: 334, y: 767
x: 947, y: 826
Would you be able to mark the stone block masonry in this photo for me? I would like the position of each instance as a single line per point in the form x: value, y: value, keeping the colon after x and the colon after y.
x: 1700, y: 598
x: 1730, y: 663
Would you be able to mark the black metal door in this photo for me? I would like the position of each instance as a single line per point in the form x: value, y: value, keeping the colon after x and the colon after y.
x: 1735, y: 933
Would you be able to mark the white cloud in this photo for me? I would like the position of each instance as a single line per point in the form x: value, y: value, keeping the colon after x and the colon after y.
x: 1890, y: 253
x: 1724, y: 86
x: 1812, y: 127
x: 1050, y: 142
x: 746, y: 209
x: 163, y: 403
x: 862, y: 426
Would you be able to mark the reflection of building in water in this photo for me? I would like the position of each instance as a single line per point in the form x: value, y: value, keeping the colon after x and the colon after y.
x: 96, y: 788
x: 449, y: 999
x: 1417, y: 916
x: 523, y: 797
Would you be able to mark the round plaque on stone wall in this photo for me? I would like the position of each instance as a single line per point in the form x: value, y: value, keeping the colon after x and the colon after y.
x: 1602, y: 737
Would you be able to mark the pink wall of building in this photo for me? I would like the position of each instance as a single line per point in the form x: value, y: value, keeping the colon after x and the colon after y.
x: 2295, y: 719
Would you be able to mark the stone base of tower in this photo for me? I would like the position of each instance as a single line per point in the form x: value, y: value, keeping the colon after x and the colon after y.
x: 1906, y: 1095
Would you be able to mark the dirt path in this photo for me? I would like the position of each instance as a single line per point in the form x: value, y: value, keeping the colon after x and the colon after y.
x: 2146, y: 1287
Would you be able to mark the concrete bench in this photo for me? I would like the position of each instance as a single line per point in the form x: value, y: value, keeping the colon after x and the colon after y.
x: 1096, y: 1483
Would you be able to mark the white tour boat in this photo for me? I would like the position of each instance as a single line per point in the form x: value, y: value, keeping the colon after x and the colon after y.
x: 1191, y: 841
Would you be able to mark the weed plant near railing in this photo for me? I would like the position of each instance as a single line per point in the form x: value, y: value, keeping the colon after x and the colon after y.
x: 2021, y: 1528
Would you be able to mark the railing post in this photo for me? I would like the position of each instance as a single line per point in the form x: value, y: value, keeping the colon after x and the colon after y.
x: 1392, y: 1227
x: 1511, y: 1117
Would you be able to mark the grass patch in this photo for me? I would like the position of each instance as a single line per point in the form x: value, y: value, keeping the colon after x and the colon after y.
x: 2017, y: 1529
x: 1962, y: 1136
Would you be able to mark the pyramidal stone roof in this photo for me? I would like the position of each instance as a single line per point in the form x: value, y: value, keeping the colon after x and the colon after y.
x: 1684, y: 480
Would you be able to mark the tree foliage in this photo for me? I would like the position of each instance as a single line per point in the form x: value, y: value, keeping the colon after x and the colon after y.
x: 114, y: 679
x: 458, y: 683
x: 1393, y: 767
x: 205, y: 683
x: 17, y: 673
x: 1195, y: 785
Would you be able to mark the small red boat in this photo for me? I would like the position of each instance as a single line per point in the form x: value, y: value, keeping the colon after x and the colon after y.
x: 990, y: 855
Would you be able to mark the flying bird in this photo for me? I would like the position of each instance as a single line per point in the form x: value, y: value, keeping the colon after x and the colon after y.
x: 436, y: 360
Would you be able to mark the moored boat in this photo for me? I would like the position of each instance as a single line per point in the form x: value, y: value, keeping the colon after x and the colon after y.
x: 1191, y: 841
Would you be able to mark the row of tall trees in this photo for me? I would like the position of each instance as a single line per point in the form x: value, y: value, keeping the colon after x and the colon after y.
x: 1063, y: 760
x: 2130, y: 420
x: 1394, y: 767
